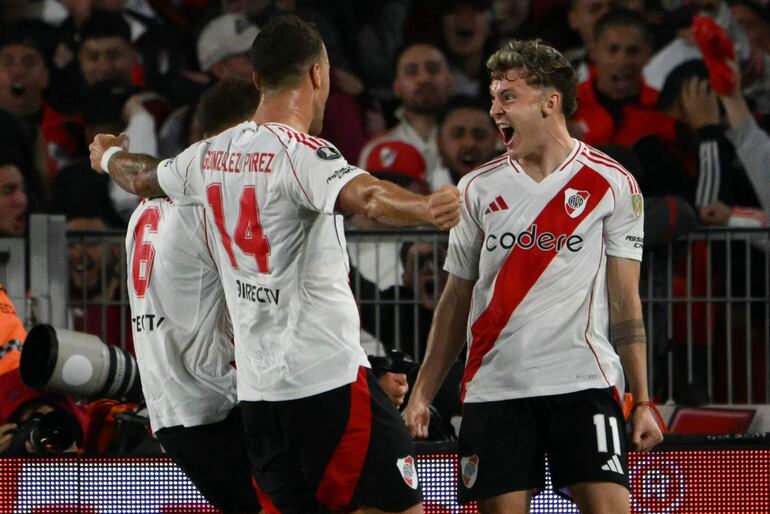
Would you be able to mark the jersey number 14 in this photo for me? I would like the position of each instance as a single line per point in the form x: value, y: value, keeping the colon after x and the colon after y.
x: 248, y: 231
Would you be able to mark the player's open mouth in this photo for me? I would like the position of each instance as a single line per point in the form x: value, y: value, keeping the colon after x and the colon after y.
x: 507, y: 132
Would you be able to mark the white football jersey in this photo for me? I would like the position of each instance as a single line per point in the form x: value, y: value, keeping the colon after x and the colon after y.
x: 181, y: 330
x: 270, y: 194
x: 539, y: 323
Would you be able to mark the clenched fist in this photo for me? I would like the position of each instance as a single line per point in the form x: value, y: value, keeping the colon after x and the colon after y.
x: 444, y: 206
x: 100, y: 145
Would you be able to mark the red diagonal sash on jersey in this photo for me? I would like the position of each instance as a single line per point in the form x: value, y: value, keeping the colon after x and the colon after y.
x: 523, y: 268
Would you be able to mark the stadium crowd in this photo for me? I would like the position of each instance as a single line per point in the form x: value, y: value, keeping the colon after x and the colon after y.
x: 677, y: 91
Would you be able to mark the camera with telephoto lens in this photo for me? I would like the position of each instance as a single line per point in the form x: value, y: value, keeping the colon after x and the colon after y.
x: 54, y: 432
x: 77, y: 364
x: 395, y: 361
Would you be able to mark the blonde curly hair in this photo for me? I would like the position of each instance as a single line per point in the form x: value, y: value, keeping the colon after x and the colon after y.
x: 543, y: 65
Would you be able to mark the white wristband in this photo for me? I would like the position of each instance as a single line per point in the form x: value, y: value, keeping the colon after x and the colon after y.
x: 107, y: 155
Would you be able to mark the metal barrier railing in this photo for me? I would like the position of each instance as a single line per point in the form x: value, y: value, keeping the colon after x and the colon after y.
x: 706, y: 303
x: 707, y: 308
x: 98, y: 300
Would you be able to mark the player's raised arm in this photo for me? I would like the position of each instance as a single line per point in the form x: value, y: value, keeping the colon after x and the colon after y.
x: 136, y: 173
x: 387, y: 203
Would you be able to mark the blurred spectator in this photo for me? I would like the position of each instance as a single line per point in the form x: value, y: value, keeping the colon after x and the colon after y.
x: 754, y: 62
x: 423, y: 84
x: 512, y: 20
x: 467, y: 136
x: 189, y: 124
x: 222, y: 50
x: 21, y: 408
x: 109, y: 107
x: 223, y: 46
x: 96, y: 280
x: 405, y: 311
x: 400, y: 163
x: 751, y: 143
x: 23, y: 74
x: 105, y: 49
x: 17, y: 145
x: 754, y: 21
x: 582, y: 16
x: 467, y: 39
x: 102, y: 50
x: 702, y: 147
x: 615, y: 106
x: 23, y: 80
x: 107, y: 54
x: 94, y: 273
x: 13, y: 199
x: 379, y: 33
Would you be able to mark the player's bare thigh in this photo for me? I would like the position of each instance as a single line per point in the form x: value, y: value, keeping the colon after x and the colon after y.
x: 516, y: 502
x: 416, y: 509
x: 601, y: 498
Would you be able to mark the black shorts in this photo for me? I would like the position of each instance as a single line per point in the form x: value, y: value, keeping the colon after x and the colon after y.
x: 503, y: 444
x: 343, y: 448
x: 214, y: 457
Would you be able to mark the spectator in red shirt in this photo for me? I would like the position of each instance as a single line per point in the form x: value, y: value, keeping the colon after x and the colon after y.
x: 615, y: 106
x: 24, y: 79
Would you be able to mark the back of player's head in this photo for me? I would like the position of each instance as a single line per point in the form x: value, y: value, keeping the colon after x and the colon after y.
x: 284, y: 50
x: 231, y: 101
x: 624, y: 18
x: 542, y: 65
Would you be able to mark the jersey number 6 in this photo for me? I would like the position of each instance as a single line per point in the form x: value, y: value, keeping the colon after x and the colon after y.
x: 144, y: 253
x: 248, y: 232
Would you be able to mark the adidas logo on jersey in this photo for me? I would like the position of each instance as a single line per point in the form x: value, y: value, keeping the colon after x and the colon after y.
x: 498, y: 204
x: 613, y: 465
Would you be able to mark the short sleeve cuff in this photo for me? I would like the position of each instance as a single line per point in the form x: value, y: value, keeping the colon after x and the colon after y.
x: 167, y: 180
x: 334, y: 191
x: 633, y: 254
x: 460, y: 272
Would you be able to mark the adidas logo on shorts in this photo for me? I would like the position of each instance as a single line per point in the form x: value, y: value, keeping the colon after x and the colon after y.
x: 613, y: 465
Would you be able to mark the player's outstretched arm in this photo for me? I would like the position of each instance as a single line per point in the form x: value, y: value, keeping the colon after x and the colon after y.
x: 387, y: 203
x: 445, y: 341
x: 628, y: 336
x: 136, y: 173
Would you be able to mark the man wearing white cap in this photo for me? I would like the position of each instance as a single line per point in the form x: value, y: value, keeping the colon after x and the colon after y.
x: 223, y: 46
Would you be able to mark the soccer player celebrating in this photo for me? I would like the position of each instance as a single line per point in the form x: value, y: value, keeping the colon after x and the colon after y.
x: 543, y: 272
x: 318, y: 427
x: 182, y: 334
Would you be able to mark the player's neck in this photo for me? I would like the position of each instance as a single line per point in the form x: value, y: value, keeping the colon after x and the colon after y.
x: 554, y: 147
x: 293, y: 108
